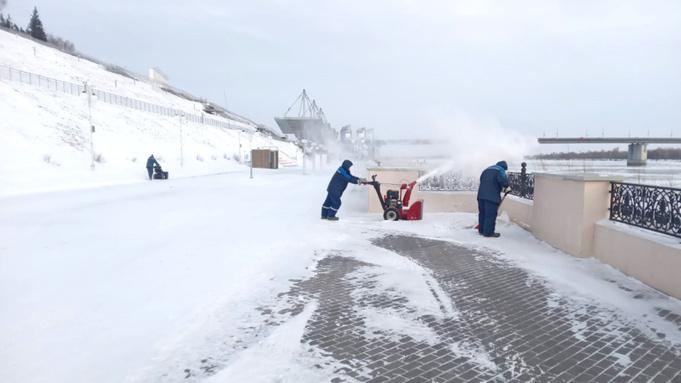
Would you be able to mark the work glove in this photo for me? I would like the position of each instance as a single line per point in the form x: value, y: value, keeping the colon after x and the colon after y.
x: 362, y: 181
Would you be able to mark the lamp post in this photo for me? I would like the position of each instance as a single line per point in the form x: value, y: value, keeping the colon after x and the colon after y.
x: 304, y: 141
x: 88, y: 91
x: 179, y: 117
x: 250, y: 148
x: 314, y: 158
x: 241, y: 161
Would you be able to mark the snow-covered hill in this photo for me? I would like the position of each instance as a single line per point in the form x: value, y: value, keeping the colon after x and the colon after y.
x: 45, y: 141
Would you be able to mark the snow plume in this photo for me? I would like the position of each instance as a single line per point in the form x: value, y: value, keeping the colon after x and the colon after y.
x: 475, y: 143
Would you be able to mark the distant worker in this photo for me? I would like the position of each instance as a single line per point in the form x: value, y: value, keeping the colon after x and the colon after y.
x: 492, y: 181
x: 150, y: 165
x: 335, y: 190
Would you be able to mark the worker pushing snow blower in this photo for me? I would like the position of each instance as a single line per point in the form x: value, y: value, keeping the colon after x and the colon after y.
x: 395, y: 205
x: 493, y: 181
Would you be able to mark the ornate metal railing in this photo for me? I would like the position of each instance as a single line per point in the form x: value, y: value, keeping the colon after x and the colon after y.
x: 650, y: 207
x: 522, y: 184
x: 450, y: 181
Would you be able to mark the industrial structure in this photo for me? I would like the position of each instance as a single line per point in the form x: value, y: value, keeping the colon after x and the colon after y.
x: 315, y: 134
x: 310, y: 124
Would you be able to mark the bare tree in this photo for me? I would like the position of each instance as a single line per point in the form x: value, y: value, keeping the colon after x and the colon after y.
x: 3, y: 3
x: 64, y: 45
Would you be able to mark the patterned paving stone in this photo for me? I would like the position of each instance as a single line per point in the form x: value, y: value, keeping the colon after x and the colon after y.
x: 525, y: 331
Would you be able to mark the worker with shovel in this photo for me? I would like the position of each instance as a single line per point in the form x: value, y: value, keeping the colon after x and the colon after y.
x: 335, y: 190
x: 492, y: 181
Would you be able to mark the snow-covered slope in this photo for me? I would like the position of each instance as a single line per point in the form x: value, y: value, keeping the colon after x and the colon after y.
x: 45, y: 141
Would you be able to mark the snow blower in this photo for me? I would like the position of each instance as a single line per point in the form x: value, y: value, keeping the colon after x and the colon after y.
x: 395, y: 205
x: 159, y: 174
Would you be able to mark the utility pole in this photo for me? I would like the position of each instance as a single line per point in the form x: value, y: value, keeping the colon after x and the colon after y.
x: 241, y: 161
x: 88, y: 91
x: 250, y: 147
x: 179, y: 117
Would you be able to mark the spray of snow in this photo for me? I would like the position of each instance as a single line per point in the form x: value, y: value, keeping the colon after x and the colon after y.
x: 475, y: 143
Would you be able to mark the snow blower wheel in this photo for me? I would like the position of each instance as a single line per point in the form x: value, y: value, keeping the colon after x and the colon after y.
x: 391, y: 214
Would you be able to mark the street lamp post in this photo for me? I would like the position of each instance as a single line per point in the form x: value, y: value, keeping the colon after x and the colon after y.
x: 241, y: 161
x: 304, y: 141
x: 88, y: 91
x: 250, y: 148
x: 179, y: 117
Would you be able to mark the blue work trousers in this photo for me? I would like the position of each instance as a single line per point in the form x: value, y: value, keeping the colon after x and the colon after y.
x: 487, y: 216
x: 331, y: 205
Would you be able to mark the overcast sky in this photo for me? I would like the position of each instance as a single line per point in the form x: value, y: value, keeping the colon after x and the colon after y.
x: 571, y: 68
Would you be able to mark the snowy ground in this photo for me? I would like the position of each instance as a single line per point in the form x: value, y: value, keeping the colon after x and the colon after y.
x: 131, y: 282
x: 108, y: 277
x: 45, y: 133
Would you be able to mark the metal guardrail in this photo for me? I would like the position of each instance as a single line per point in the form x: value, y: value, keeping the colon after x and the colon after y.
x: 114, y: 99
x: 39, y: 80
x: 522, y: 184
x: 649, y: 207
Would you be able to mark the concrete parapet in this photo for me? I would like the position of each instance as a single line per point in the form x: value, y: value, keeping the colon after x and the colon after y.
x: 653, y: 259
x: 567, y: 207
x: 519, y: 211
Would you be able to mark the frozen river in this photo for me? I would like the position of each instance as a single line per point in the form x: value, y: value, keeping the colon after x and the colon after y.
x: 661, y: 173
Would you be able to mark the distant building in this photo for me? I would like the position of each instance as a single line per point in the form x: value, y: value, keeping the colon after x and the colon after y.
x: 158, y: 77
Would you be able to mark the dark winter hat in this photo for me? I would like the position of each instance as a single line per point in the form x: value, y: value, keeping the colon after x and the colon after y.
x: 503, y: 165
x: 347, y: 164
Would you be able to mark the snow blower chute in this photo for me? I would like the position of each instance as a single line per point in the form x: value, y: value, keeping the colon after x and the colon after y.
x: 395, y: 205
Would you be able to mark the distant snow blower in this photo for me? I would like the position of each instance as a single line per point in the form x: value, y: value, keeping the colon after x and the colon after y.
x: 159, y: 174
x: 395, y: 206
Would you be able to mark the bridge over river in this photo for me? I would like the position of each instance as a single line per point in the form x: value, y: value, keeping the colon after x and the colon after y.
x: 637, y: 156
x: 638, y: 146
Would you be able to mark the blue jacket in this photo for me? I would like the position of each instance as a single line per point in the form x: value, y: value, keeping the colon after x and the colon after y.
x: 151, y: 161
x: 340, y: 179
x: 492, y: 181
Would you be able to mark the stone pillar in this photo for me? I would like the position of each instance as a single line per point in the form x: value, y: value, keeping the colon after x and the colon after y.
x: 566, y: 209
x: 638, y: 154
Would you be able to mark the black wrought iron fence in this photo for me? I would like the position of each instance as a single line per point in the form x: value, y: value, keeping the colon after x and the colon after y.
x: 650, y: 207
x: 450, y: 181
x: 521, y: 183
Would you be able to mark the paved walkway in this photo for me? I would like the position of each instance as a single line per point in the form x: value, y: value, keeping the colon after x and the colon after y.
x: 506, y: 331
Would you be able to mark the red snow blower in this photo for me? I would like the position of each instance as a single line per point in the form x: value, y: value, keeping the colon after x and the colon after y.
x: 395, y: 206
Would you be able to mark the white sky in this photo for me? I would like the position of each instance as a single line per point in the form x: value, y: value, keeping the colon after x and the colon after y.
x: 570, y: 68
x: 114, y: 278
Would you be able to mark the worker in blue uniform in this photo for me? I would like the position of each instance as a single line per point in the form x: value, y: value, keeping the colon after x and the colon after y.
x: 492, y: 181
x: 335, y: 190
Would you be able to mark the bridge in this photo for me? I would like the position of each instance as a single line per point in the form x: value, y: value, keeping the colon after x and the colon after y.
x: 638, y: 146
